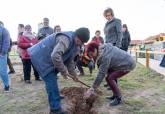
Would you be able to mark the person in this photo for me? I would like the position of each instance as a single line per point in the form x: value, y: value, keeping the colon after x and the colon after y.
x: 126, y: 38
x: 97, y: 38
x: 57, y: 29
x: 45, y: 30
x: 11, y: 68
x: 55, y: 54
x: 87, y: 59
x: 25, y: 41
x: 20, y: 29
x: 116, y: 63
x: 112, y: 29
x: 4, y: 47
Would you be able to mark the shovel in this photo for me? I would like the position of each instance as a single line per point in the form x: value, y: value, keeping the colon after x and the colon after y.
x: 81, y: 82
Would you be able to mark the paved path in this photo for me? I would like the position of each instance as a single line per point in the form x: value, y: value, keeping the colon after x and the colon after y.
x: 154, y: 65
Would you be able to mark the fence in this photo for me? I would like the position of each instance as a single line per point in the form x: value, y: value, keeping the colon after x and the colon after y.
x: 147, y: 54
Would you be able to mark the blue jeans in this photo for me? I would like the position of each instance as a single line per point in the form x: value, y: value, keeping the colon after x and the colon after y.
x: 52, y: 90
x: 3, y: 70
x: 91, y: 66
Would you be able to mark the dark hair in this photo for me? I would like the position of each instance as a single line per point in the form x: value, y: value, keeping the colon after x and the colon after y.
x: 125, y: 26
x: 109, y: 10
x: 97, y: 31
x: 1, y: 23
x: 21, y: 25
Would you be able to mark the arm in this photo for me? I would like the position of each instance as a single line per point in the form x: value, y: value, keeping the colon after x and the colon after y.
x: 119, y: 33
x: 103, y: 69
x: 58, y: 51
x: 71, y: 68
x: 129, y: 38
x: 6, y: 42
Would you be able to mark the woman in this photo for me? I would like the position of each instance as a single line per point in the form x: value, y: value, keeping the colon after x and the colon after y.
x: 116, y: 63
x: 25, y: 41
x: 112, y: 29
x: 126, y: 38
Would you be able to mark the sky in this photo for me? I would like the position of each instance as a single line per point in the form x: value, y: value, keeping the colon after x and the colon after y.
x: 144, y: 18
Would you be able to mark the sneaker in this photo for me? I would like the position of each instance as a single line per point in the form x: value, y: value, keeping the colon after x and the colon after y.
x: 59, y: 111
x: 38, y: 79
x: 106, y: 85
x: 62, y: 97
x: 6, y: 89
x: 111, y: 98
x: 116, y: 101
x: 11, y: 72
x: 109, y: 88
x: 28, y: 82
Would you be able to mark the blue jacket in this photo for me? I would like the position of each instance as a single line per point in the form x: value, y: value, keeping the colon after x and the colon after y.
x: 41, y: 53
x: 4, y: 40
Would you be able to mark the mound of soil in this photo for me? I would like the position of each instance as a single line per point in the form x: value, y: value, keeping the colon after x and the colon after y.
x: 76, y: 104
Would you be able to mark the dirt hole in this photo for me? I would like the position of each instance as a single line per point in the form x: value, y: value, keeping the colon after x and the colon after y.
x: 76, y: 104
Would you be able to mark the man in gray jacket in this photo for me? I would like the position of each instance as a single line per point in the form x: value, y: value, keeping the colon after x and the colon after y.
x: 115, y: 63
x: 45, y: 30
x: 55, y: 54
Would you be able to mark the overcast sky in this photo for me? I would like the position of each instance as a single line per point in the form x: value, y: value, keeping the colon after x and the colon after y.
x: 143, y: 17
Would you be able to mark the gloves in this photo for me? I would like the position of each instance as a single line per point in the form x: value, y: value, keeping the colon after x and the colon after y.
x: 89, y: 93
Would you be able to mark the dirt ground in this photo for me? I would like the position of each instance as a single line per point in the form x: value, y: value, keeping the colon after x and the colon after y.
x: 143, y: 92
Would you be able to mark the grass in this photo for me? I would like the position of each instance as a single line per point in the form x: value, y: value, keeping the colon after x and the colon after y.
x: 143, y: 91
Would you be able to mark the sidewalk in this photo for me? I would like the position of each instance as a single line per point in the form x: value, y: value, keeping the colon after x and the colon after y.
x: 154, y: 65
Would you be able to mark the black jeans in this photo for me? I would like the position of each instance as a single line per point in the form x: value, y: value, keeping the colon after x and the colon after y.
x: 27, y: 69
x: 10, y: 64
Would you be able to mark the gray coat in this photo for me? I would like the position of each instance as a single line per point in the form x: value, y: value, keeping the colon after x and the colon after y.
x: 43, y: 32
x: 111, y: 57
x: 113, y: 32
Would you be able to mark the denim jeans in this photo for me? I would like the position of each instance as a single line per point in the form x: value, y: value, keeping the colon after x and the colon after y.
x: 3, y: 70
x: 51, y: 86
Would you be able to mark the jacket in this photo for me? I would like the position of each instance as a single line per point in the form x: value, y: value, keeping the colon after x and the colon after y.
x: 113, y: 32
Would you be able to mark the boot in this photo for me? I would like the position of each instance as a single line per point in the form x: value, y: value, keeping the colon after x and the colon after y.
x: 111, y: 98
x: 117, y: 100
x: 58, y: 111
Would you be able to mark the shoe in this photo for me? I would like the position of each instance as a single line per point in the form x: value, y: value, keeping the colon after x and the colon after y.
x: 111, y: 98
x: 81, y: 74
x: 11, y: 72
x: 106, y: 85
x: 28, y: 82
x: 38, y: 79
x: 59, y: 111
x: 116, y: 101
x: 109, y: 88
x: 62, y: 97
x: 6, y: 89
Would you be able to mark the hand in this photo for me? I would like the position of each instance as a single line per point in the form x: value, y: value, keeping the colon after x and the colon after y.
x: 89, y: 93
x: 65, y: 74
x: 31, y: 44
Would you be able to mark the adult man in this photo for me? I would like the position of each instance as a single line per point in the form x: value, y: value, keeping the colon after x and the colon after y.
x: 45, y: 30
x: 56, y: 54
x: 4, y: 46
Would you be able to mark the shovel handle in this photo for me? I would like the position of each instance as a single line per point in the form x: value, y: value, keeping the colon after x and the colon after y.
x: 81, y: 82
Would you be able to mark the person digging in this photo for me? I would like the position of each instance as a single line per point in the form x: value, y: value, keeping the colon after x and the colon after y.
x: 114, y: 62
x: 54, y: 54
